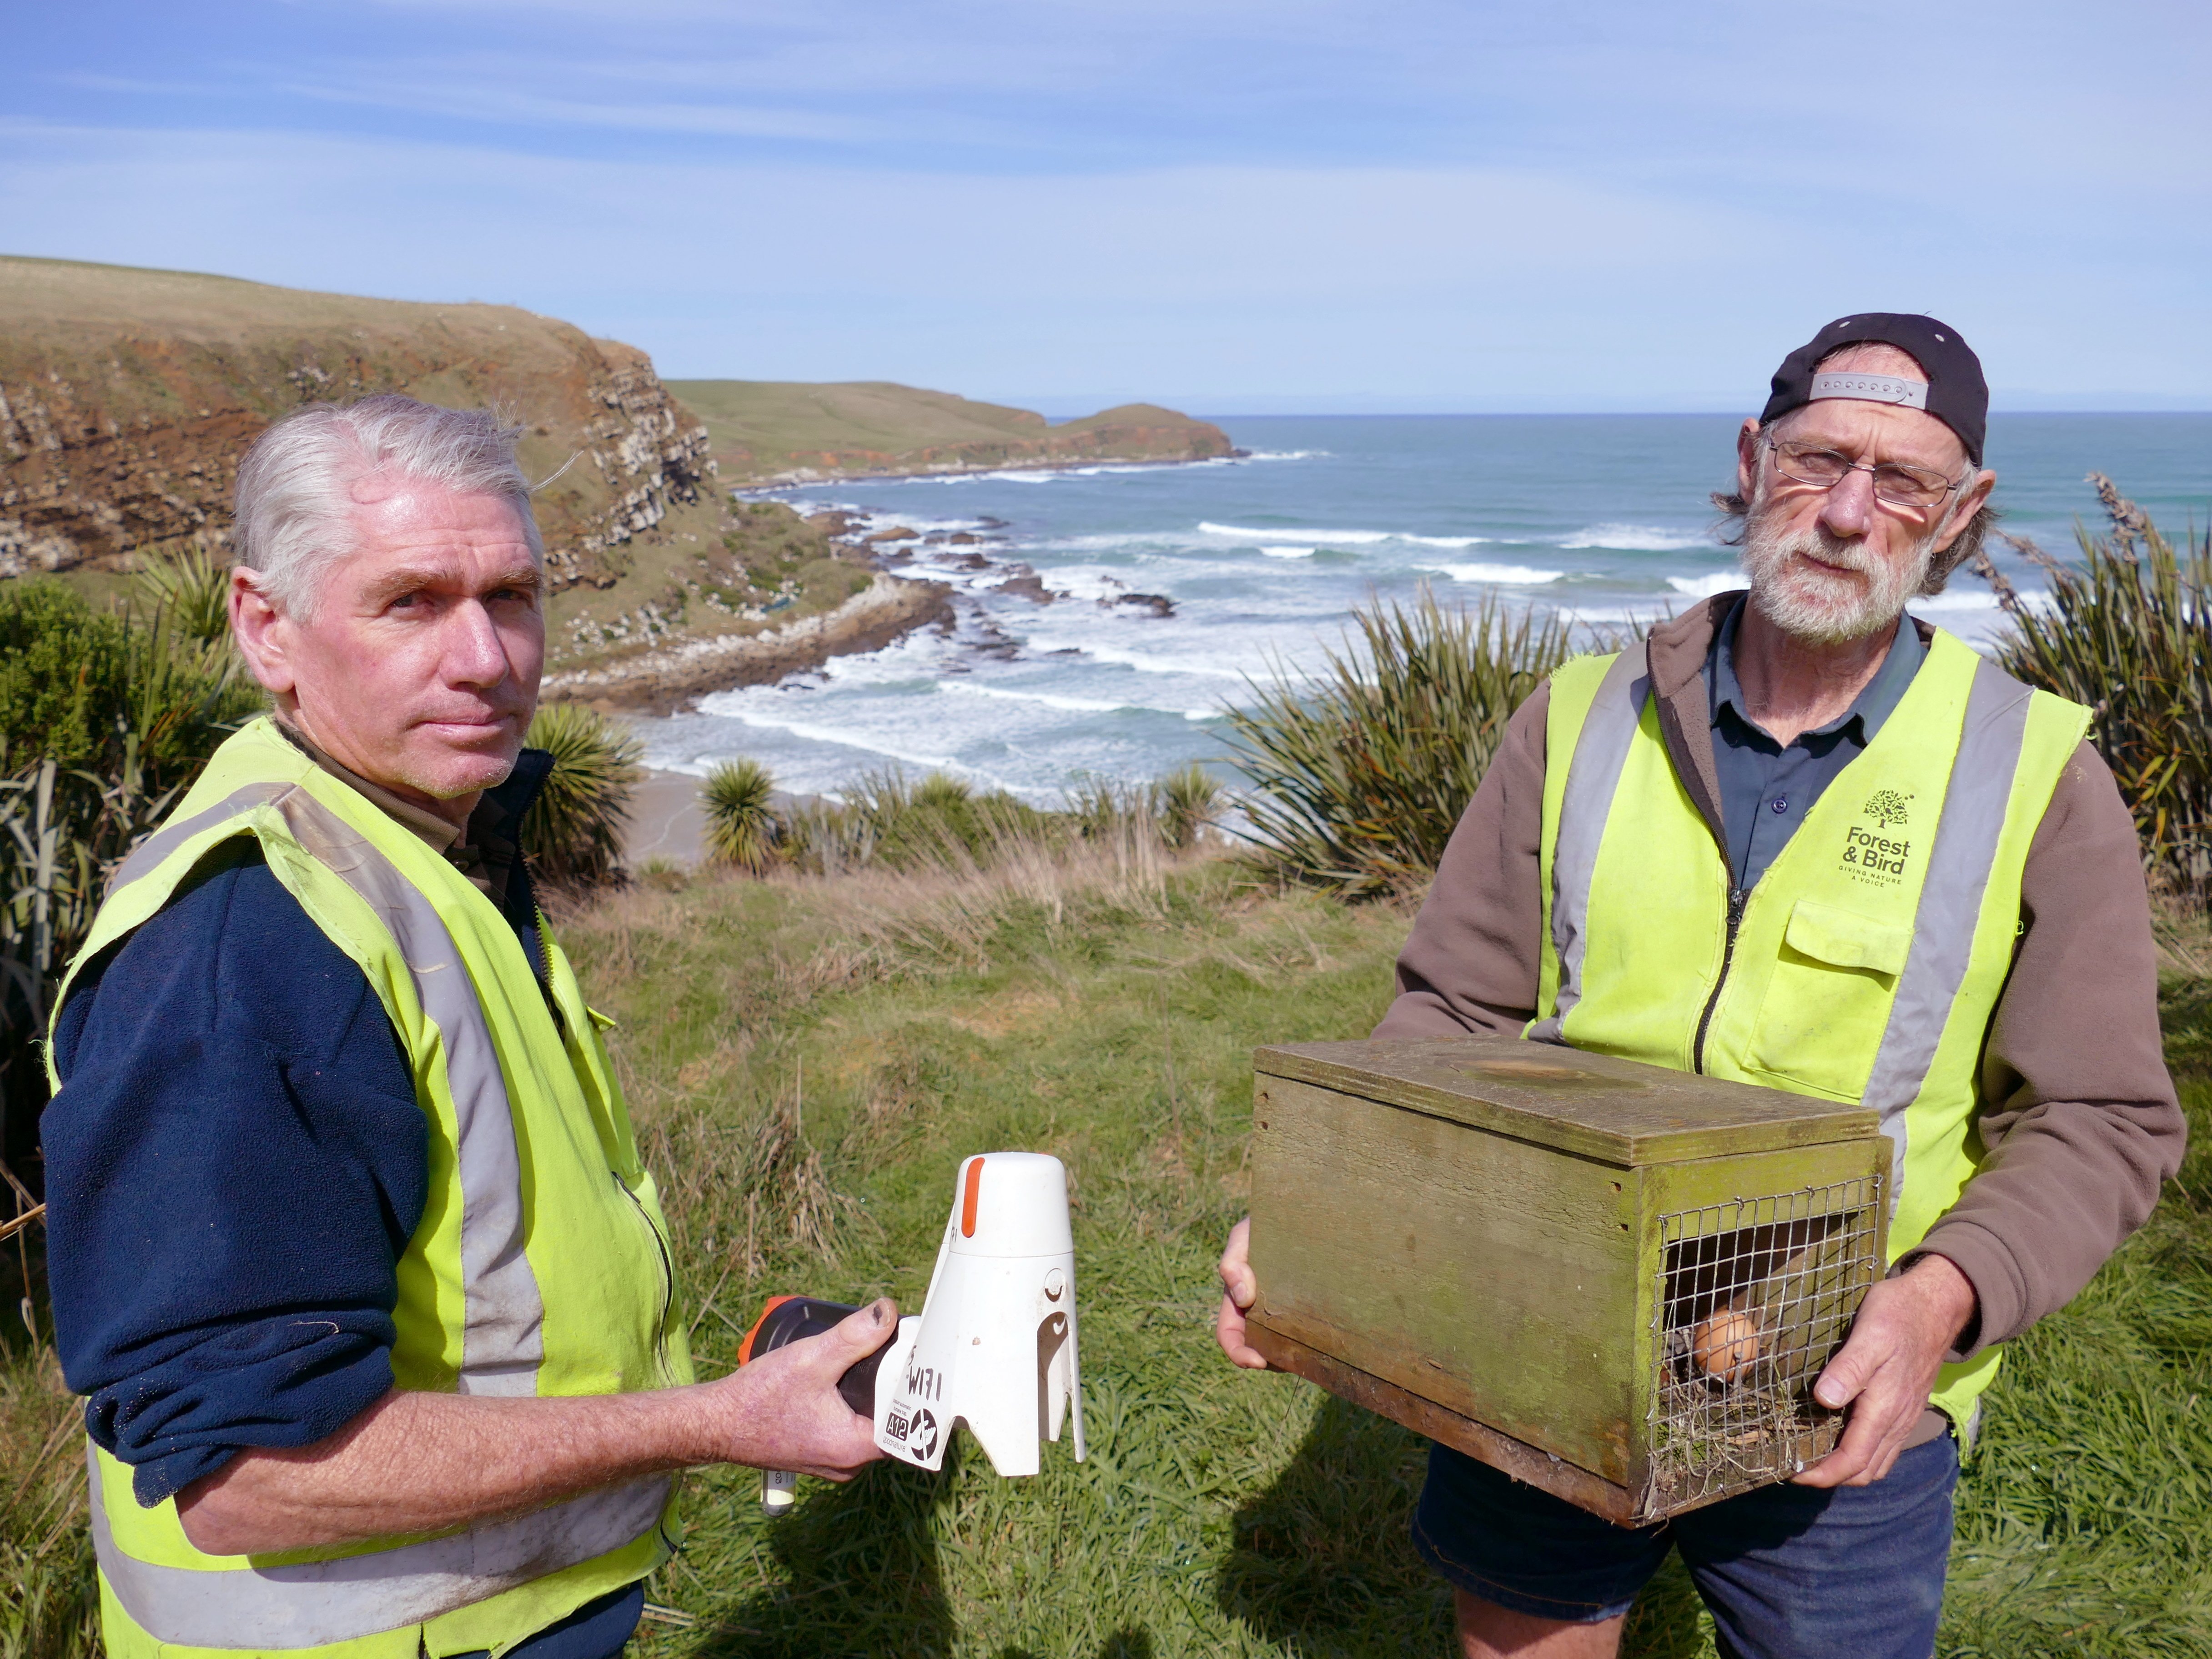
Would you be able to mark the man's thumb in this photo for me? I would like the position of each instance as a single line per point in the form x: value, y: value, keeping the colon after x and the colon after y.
x: 1840, y: 1383
x: 863, y: 1330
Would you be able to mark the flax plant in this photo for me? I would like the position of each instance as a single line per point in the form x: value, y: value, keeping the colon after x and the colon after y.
x: 1189, y: 801
x: 574, y: 828
x: 2129, y: 633
x: 742, y: 827
x: 1361, y: 772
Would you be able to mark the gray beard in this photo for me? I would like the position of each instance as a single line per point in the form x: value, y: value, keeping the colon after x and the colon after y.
x: 1810, y: 605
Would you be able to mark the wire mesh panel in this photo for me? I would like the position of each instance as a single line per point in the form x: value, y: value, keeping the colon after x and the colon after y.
x: 1753, y: 1297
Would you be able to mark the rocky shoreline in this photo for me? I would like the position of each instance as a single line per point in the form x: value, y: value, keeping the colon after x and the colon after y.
x: 662, y: 680
x: 919, y: 576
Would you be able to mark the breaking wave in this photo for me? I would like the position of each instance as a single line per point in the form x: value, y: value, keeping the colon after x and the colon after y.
x: 1511, y: 575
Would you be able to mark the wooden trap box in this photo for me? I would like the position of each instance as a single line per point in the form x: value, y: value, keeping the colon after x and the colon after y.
x: 1611, y: 1280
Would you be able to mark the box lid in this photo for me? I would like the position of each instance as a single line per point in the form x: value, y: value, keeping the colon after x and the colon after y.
x: 1621, y: 1111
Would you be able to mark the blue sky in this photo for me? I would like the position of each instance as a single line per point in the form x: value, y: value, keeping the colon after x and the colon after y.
x: 1298, y: 205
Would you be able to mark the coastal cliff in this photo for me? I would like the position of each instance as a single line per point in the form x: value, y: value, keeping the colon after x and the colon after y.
x: 127, y: 397
x: 773, y: 432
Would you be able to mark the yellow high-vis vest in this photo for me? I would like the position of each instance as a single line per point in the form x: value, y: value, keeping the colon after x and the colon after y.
x: 1865, y: 965
x: 540, y: 1266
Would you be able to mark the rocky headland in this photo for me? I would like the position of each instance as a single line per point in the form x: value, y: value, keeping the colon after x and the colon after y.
x: 127, y: 397
x: 766, y: 433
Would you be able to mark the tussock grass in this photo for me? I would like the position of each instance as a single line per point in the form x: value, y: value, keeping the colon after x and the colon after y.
x: 941, y: 824
x: 891, y: 821
x: 48, y: 1606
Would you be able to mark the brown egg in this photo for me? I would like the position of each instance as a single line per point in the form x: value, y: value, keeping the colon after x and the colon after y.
x: 1725, y: 1344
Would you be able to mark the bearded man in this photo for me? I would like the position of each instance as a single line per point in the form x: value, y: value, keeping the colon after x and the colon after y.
x: 1800, y: 839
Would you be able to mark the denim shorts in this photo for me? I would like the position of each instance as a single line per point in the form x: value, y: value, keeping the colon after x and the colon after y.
x: 1787, y: 1571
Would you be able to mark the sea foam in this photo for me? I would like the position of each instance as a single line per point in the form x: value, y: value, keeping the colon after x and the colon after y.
x: 1072, y: 705
x: 1511, y: 576
x: 1341, y: 538
x: 1635, y: 539
x: 1703, y: 587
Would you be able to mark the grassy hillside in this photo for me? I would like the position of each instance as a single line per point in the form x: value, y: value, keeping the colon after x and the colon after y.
x: 768, y: 429
x: 877, y: 1029
x: 127, y: 397
x: 808, y: 1062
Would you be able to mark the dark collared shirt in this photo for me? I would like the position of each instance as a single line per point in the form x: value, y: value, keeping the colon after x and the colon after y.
x: 1767, y: 789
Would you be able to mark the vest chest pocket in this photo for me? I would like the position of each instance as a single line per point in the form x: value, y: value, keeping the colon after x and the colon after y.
x: 1828, y: 999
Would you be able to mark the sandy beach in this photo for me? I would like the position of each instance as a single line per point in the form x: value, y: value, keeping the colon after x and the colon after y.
x: 665, y: 821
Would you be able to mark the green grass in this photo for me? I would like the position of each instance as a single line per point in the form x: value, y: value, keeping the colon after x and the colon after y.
x: 1223, y: 1513
x: 809, y: 1060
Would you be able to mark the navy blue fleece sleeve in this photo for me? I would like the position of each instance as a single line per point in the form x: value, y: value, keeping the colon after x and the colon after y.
x: 234, y: 1165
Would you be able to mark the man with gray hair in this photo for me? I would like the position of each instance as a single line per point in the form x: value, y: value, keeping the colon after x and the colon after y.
x: 353, y: 1252
x: 1798, y: 839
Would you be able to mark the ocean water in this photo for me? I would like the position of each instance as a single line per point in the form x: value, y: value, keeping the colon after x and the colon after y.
x: 1260, y: 561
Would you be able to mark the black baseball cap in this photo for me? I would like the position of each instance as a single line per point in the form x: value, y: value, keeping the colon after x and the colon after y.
x: 1954, y: 393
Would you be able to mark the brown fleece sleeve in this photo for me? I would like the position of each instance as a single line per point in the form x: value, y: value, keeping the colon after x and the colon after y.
x: 2085, y: 1125
x: 1469, y: 964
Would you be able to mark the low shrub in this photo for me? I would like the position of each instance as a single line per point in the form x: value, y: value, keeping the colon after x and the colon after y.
x: 76, y: 682
x: 1361, y: 772
x: 1101, y: 807
x: 105, y: 717
x: 1176, y: 808
x: 886, y: 819
x: 574, y: 828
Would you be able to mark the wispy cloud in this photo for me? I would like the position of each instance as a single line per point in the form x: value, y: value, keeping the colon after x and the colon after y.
x: 1598, y: 198
x: 496, y: 105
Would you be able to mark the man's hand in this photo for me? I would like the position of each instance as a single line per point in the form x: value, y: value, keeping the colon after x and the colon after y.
x: 1887, y: 1369
x: 1240, y: 1291
x: 422, y: 1462
x: 783, y: 1410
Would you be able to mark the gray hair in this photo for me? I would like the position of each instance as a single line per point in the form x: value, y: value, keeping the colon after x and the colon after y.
x: 295, y: 504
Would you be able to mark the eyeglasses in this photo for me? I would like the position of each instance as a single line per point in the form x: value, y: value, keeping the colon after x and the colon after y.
x: 1898, y: 484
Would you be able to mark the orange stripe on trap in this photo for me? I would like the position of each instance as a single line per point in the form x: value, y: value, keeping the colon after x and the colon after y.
x: 967, y: 1200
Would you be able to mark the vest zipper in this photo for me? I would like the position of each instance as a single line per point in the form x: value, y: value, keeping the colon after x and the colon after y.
x: 667, y: 1279
x: 1737, y: 898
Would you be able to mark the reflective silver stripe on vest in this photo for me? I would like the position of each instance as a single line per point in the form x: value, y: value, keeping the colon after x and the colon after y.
x: 502, y: 1342
x: 1593, y: 778
x: 503, y: 1317
x: 316, y: 1602
x: 149, y: 853
x: 1950, y: 910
